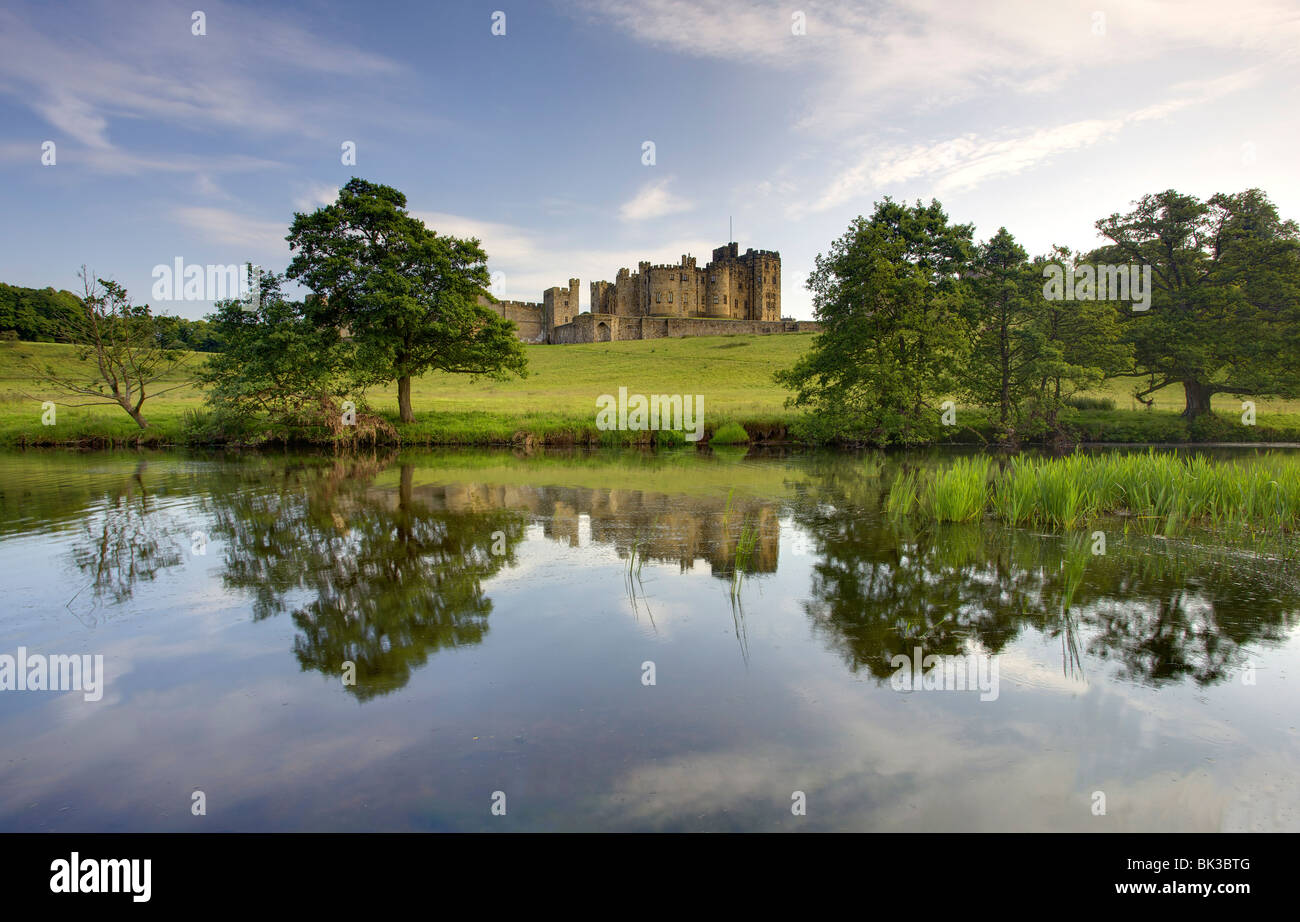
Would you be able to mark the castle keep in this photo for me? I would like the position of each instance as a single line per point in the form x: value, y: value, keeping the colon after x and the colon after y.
x: 735, y: 293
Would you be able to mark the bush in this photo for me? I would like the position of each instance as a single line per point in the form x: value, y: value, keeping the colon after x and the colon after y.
x: 1081, y: 402
x: 730, y: 434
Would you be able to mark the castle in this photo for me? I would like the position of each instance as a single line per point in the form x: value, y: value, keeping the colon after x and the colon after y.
x: 734, y: 293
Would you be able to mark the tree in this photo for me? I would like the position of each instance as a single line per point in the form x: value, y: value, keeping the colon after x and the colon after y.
x: 1225, y: 309
x: 1080, y: 344
x: 127, y: 351
x: 889, y: 297
x: 1007, y: 339
x: 405, y: 296
x: 276, y: 361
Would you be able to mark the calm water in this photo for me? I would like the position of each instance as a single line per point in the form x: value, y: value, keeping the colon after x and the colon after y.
x: 499, y: 612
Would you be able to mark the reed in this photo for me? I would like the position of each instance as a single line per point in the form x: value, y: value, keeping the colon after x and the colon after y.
x: 958, y: 493
x: 1254, y: 498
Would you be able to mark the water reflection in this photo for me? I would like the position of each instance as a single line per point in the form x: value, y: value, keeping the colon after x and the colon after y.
x: 389, y: 578
x: 1163, y: 611
x: 513, y: 600
x: 128, y: 542
x: 379, y: 568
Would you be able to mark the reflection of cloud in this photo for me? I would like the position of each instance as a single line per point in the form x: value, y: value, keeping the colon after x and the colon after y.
x: 868, y: 765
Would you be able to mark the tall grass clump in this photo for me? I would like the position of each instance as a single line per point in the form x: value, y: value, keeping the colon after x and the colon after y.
x: 904, y: 495
x: 1156, y: 494
x: 958, y: 493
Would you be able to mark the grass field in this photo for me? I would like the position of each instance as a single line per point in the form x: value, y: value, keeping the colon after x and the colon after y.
x: 558, y: 398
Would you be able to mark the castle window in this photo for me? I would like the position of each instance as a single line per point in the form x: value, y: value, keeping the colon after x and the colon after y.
x: 670, y: 297
x: 659, y: 296
x: 724, y: 299
x: 683, y: 276
x: 715, y: 299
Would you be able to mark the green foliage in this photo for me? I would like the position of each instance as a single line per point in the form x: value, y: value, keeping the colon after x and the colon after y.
x: 406, y: 296
x: 1225, y: 312
x: 729, y: 434
x: 1083, y: 402
x: 277, y: 364
x: 894, y: 339
x: 39, y: 314
x: 44, y: 315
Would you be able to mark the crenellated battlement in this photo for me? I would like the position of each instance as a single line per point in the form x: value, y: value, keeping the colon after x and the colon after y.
x: 732, y: 287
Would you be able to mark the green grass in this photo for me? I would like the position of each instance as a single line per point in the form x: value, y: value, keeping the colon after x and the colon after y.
x: 1154, y: 493
x: 556, y: 403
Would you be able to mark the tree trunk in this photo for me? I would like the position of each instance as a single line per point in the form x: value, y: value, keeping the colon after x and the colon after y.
x: 1198, y: 399
x: 136, y: 415
x: 404, y: 399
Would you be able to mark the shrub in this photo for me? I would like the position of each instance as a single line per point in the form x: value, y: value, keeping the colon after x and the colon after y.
x: 730, y: 434
x: 1082, y: 402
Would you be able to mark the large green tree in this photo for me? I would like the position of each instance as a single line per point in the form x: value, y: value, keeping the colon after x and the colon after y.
x: 889, y: 296
x: 1225, y: 306
x: 405, y: 296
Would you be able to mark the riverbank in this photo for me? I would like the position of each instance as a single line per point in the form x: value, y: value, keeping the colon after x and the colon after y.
x: 556, y: 404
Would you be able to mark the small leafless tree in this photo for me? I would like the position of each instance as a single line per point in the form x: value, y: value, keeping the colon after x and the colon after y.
x: 123, y: 351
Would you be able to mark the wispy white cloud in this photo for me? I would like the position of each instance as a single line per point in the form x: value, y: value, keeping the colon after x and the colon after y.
x: 654, y: 200
x: 254, y: 238
x: 533, y: 261
x: 315, y: 196
x: 860, y: 58
x: 83, y: 84
x: 967, y: 161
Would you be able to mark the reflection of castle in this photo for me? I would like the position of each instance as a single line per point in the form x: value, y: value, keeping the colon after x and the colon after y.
x: 662, y: 527
x: 734, y: 293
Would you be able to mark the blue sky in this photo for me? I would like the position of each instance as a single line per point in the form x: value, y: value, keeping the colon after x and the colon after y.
x: 1034, y: 115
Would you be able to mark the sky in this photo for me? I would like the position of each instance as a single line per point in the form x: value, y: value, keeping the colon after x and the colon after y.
x: 783, y: 120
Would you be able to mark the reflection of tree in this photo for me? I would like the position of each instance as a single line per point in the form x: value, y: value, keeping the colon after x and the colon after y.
x: 1163, y: 612
x: 127, y: 542
x: 388, y: 579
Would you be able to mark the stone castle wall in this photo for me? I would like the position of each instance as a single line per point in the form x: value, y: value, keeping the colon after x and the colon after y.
x: 736, y: 293
x: 601, y: 328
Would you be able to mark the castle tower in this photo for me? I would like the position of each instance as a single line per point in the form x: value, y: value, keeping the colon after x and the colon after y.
x: 559, y: 306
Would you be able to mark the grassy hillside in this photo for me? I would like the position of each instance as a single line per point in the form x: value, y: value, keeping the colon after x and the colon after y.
x: 558, y: 398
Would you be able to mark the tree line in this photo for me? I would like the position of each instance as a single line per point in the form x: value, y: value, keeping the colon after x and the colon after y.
x: 915, y: 313
x: 43, y: 315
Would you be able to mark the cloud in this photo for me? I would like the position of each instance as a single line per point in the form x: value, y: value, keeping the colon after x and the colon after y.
x: 967, y: 161
x: 860, y: 58
x: 653, y: 201
x: 254, y: 238
x: 533, y: 261
x: 84, y: 76
x: 315, y: 196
